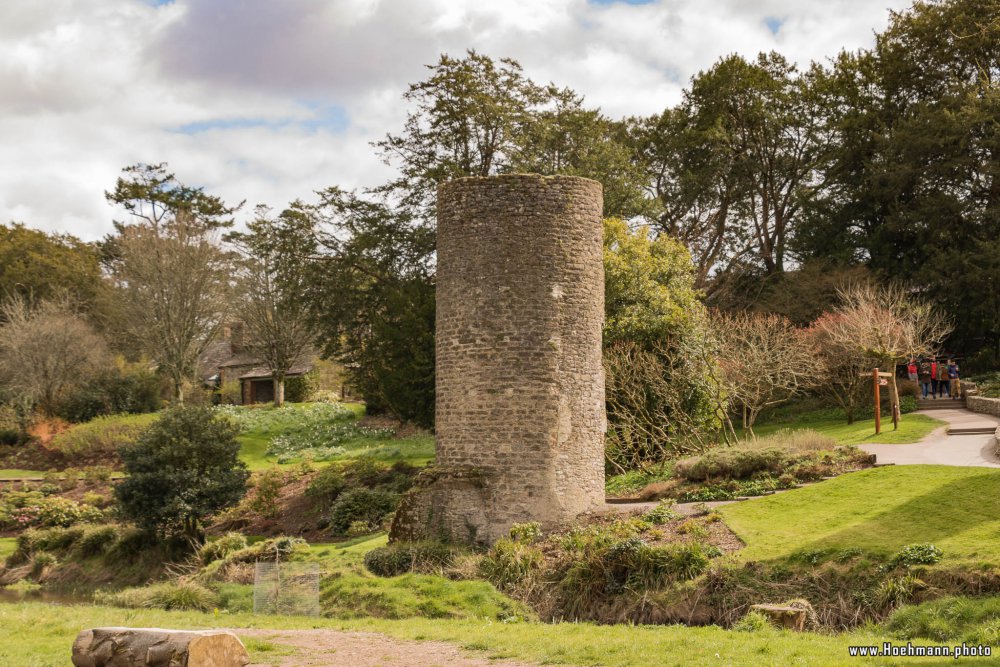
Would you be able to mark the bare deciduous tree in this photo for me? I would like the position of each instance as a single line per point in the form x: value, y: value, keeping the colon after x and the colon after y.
x: 765, y: 361
x: 846, y: 368
x: 47, y: 350
x: 652, y: 414
x: 885, y: 324
x: 173, y: 280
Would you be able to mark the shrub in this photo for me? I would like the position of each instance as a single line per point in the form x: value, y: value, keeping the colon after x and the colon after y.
x: 752, y: 621
x: 327, y: 484
x: 731, y: 464
x: 231, y: 392
x: 895, y: 591
x: 917, y: 554
x: 266, y: 491
x: 96, y: 541
x: 403, y: 557
x: 96, y: 475
x: 510, y: 564
x: 130, y: 544
x: 40, y: 561
x: 96, y: 500
x: 170, y: 596
x: 111, y: 393
x: 9, y: 436
x: 32, y: 509
x: 662, y: 513
x: 184, y: 468
x: 102, y: 437
x: 301, y: 388
x: 31, y: 541
x: 221, y: 547
x: 371, y: 506
x: 268, y: 550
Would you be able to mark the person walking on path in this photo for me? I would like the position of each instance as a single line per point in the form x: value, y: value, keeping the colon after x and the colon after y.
x: 953, y: 380
x: 925, y: 376
x: 911, y: 370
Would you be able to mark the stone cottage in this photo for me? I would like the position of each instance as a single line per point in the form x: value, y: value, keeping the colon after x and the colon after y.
x: 230, y: 360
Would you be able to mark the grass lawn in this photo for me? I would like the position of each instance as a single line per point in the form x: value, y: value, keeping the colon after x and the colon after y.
x: 54, y: 627
x: 879, y: 510
x: 912, y: 428
x: 7, y: 547
x: 14, y: 473
x: 416, y: 450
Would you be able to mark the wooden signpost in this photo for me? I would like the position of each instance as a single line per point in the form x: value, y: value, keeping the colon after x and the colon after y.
x: 878, y: 380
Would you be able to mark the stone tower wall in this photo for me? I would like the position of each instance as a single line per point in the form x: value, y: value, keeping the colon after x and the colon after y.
x: 520, y: 388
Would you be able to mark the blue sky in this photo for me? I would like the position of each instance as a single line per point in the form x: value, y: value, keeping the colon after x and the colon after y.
x: 268, y: 101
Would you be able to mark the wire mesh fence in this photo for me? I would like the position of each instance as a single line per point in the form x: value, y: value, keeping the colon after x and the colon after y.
x: 286, y: 588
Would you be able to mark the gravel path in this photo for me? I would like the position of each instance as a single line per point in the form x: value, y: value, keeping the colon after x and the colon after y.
x: 943, y: 449
x: 329, y: 648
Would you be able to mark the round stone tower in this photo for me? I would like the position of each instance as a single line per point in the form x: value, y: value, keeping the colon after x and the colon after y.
x: 520, y: 387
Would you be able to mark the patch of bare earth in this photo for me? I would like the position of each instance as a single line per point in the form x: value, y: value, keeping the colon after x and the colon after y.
x: 326, y: 648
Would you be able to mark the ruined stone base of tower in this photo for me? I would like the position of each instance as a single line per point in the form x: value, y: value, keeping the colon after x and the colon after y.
x: 520, y: 387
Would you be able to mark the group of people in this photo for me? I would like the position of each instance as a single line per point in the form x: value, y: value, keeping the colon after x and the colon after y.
x: 937, y: 377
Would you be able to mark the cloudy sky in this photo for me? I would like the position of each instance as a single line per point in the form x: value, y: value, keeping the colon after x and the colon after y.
x: 268, y: 100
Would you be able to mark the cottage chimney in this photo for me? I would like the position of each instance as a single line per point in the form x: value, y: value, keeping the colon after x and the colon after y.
x: 236, y: 341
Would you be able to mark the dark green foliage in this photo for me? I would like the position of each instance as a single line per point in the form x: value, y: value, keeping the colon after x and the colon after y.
x: 42, y: 266
x: 9, y: 436
x: 112, y: 393
x: 368, y: 506
x: 379, y: 319
x: 332, y: 480
x: 183, y: 469
x: 363, y: 492
x: 328, y: 483
x: 911, y: 181
x: 403, y: 557
x: 731, y: 464
x: 130, y: 545
x: 300, y: 389
x: 96, y: 540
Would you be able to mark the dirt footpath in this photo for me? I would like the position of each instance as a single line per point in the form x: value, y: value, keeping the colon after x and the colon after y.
x: 327, y: 648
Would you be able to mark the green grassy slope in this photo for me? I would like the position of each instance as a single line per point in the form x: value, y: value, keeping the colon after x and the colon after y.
x: 879, y: 510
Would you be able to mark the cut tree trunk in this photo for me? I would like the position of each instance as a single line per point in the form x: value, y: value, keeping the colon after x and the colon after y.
x: 156, y: 647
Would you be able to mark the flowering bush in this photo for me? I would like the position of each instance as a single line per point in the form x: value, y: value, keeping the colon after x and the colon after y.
x: 29, y: 509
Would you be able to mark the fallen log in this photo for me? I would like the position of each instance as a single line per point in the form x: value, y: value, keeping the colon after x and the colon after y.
x: 156, y: 647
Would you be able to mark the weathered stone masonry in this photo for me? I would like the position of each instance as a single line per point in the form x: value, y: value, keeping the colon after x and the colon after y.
x: 520, y: 388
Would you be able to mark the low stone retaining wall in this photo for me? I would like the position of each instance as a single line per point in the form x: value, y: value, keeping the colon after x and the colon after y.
x: 983, y: 405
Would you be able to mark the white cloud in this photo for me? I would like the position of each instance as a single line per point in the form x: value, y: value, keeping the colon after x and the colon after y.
x: 87, y: 88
